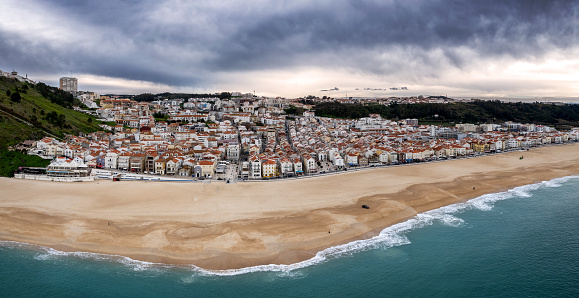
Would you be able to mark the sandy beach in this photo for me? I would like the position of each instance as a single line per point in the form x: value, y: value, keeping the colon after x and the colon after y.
x: 226, y: 226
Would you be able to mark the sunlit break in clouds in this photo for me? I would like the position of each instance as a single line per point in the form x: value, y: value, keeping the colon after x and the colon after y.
x: 295, y: 48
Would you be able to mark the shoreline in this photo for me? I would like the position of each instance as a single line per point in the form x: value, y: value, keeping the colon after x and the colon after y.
x: 231, y: 226
x: 338, y: 249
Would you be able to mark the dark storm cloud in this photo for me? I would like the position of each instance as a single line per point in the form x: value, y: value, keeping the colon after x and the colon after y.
x: 178, y: 42
x: 45, y: 58
x: 103, y: 38
x: 514, y: 28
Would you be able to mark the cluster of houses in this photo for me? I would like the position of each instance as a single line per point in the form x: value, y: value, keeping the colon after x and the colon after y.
x: 201, y: 135
x: 254, y: 134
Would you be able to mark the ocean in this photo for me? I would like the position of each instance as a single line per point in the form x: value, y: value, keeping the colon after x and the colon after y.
x: 520, y: 243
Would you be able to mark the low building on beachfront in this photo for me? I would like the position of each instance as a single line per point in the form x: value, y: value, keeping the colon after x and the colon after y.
x: 61, y: 169
x: 64, y: 167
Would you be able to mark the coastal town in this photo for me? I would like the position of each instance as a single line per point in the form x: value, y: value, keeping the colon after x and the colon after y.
x: 349, y: 148
x: 245, y: 138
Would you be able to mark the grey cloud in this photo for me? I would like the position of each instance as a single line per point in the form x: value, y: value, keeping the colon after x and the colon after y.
x: 512, y: 28
x: 44, y: 59
x: 182, y: 43
x: 507, y: 86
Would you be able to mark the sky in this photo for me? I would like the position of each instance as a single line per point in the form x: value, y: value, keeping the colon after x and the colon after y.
x: 514, y: 48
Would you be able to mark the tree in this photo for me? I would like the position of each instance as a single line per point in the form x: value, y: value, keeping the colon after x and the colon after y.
x: 144, y: 97
x: 33, y: 120
x: 291, y: 110
x: 224, y: 95
x: 8, y: 92
x: 57, y: 96
x: 89, y: 120
x: 15, y: 97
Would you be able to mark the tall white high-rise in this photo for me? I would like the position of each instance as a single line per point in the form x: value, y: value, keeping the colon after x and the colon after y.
x: 69, y: 84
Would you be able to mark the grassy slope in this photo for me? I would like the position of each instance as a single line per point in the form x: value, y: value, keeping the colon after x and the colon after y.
x: 31, y: 105
x: 13, y: 131
x: 11, y: 160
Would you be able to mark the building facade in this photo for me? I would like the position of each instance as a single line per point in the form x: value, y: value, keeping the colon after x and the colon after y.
x: 69, y: 84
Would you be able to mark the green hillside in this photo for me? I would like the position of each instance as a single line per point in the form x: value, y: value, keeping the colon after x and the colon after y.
x: 45, y: 117
x: 10, y: 161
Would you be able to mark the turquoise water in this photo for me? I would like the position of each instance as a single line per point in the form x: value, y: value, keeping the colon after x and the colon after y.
x: 520, y: 243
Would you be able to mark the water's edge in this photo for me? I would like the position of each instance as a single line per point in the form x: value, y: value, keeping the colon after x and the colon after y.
x: 391, y: 236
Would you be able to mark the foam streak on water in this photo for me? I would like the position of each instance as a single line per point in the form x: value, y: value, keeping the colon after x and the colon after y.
x: 389, y: 237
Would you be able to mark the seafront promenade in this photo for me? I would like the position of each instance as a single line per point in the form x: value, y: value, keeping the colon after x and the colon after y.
x: 230, y: 177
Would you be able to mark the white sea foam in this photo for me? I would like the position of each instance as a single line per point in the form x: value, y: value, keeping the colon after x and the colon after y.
x: 557, y: 182
x: 50, y: 254
x: 392, y: 236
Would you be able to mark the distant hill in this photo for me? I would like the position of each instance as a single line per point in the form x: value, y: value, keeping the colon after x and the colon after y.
x: 29, y: 111
x: 460, y: 112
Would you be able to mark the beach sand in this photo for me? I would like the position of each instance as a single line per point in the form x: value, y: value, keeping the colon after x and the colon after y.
x: 226, y: 226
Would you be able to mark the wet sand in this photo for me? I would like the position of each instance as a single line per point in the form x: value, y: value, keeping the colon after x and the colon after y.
x: 227, y: 226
